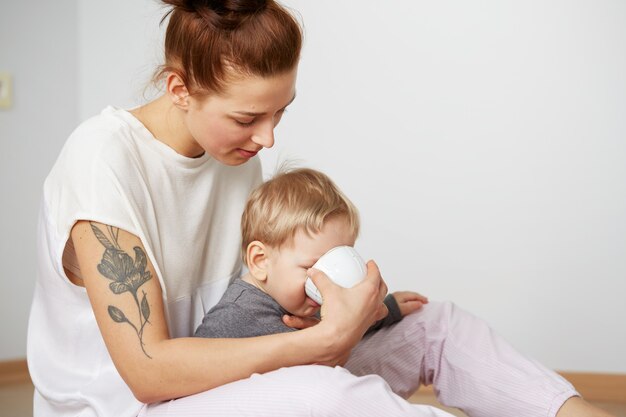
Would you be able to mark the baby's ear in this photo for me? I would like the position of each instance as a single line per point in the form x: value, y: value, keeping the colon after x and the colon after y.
x: 257, y: 258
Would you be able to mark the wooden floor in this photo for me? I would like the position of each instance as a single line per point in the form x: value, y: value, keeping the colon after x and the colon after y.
x: 16, y: 400
x: 617, y: 409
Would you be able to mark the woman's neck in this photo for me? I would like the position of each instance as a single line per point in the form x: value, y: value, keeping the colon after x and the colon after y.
x: 166, y: 123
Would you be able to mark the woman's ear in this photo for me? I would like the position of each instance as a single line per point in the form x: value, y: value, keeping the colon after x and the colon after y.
x: 177, y: 91
x: 257, y: 259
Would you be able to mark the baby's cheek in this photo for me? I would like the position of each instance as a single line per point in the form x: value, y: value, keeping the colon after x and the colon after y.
x: 300, y: 305
x: 293, y: 302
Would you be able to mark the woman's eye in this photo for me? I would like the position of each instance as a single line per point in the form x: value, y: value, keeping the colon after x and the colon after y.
x: 242, y: 123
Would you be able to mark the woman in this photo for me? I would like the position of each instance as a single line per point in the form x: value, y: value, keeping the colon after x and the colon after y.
x: 139, y: 237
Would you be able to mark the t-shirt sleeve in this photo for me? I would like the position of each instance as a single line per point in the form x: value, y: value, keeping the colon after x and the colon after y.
x: 89, y: 181
x: 91, y: 178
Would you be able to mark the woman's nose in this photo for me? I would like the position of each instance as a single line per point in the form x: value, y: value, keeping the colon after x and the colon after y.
x: 264, y: 136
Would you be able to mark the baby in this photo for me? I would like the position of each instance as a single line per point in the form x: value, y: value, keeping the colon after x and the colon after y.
x: 289, y: 222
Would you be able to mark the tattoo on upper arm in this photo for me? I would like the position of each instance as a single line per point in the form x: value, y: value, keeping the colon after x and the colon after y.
x: 127, y: 276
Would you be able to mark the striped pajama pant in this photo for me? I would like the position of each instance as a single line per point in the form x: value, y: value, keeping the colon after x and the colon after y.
x: 469, y: 366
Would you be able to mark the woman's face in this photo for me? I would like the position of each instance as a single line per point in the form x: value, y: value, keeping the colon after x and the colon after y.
x: 236, y: 124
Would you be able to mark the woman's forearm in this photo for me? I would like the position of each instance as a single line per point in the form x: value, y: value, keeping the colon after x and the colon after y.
x: 185, y: 366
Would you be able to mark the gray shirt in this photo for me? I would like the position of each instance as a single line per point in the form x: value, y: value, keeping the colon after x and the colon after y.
x: 246, y: 311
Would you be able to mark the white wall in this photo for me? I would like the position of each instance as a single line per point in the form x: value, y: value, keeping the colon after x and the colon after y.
x: 483, y: 142
x: 38, y: 46
x: 119, y: 47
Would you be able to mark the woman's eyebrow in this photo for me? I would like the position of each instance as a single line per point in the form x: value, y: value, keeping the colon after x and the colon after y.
x: 251, y: 113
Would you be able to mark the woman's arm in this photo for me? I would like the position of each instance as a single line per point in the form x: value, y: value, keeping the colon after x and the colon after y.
x: 127, y: 302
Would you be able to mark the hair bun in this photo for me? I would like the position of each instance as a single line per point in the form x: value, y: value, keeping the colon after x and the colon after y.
x: 221, y: 14
x: 221, y: 7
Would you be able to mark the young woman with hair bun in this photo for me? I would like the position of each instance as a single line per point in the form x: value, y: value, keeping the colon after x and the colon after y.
x: 139, y: 236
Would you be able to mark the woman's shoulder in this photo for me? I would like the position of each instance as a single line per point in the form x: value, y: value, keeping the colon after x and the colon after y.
x: 98, y: 146
x: 107, y: 136
x: 87, y: 177
x: 109, y: 126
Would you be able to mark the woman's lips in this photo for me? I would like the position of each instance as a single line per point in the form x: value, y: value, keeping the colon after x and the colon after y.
x: 247, y: 154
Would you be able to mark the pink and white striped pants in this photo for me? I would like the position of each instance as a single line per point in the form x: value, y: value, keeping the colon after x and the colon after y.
x: 470, y: 367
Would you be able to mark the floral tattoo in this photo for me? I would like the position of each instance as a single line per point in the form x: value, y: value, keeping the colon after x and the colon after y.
x: 127, y: 276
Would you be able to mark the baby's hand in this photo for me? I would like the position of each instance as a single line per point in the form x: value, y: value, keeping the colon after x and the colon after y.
x: 409, y: 301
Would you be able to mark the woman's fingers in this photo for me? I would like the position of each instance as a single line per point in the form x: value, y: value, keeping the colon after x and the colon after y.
x: 383, y: 312
x: 347, y: 313
x: 321, y: 281
x: 373, y: 273
x: 300, y: 322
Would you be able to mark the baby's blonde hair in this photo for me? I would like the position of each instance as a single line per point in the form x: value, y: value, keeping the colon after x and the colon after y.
x: 298, y: 199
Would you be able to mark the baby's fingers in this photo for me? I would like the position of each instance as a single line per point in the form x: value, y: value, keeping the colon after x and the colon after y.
x: 409, y: 307
x: 402, y: 296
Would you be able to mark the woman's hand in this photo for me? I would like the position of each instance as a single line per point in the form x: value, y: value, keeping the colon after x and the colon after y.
x: 347, y: 313
x: 409, y: 301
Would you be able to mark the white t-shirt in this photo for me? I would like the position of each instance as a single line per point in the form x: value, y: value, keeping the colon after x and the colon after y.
x: 186, y: 211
